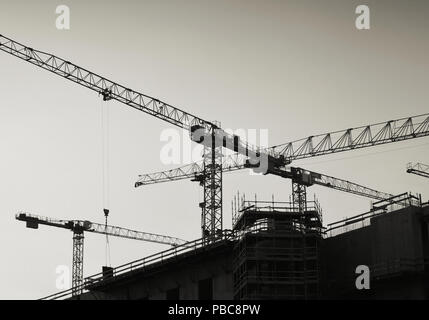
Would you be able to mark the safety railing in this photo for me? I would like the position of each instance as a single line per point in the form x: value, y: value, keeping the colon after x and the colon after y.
x: 382, y: 207
x: 141, y: 264
x: 272, y: 207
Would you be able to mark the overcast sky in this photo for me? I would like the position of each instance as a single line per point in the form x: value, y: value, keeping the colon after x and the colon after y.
x: 296, y: 68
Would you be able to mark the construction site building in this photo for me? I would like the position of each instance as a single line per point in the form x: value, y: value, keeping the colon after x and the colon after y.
x: 279, y: 251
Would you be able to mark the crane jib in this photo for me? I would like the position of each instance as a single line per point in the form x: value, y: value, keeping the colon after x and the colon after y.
x: 111, y: 90
x: 105, y: 87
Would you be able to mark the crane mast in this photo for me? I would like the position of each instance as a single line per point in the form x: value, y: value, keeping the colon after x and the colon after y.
x: 78, y: 227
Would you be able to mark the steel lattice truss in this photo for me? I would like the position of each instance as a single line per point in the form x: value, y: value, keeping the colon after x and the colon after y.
x: 419, y: 169
x: 77, y: 268
x: 112, y: 90
x: 350, y: 187
x: 211, y: 216
x: 195, y: 170
x: 191, y: 171
x: 109, y: 89
x: 80, y: 226
x: 354, y: 138
x: 299, y: 196
x: 387, y: 132
x: 131, y: 234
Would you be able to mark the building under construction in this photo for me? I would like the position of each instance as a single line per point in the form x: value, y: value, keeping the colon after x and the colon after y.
x: 279, y: 251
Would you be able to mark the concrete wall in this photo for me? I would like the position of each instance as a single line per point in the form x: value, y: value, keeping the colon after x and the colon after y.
x: 339, y: 257
x: 394, y: 247
x: 397, y: 242
x: 184, y: 274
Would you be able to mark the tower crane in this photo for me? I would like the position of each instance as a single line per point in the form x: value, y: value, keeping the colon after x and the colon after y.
x: 213, y: 138
x: 207, y: 133
x: 328, y: 143
x: 78, y: 227
x: 419, y: 169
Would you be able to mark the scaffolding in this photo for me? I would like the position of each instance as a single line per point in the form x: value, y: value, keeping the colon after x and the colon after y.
x: 277, y: 250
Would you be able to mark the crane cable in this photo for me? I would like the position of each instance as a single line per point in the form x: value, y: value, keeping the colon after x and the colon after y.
x: 105, y: 171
